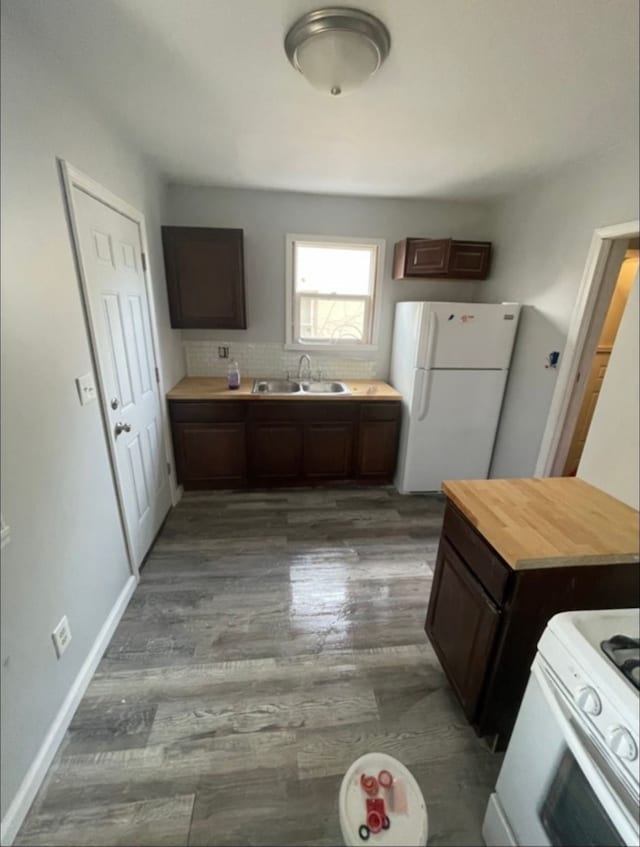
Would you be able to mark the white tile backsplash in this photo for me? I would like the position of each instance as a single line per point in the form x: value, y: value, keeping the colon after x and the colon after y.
x: 267, y: 359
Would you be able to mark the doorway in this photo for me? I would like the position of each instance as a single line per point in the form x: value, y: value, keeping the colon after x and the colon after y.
x: 607, y: 253
x: 598, y: 369
x: 109, y: 242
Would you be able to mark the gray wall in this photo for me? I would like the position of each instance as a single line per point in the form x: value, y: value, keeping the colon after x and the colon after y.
x: 66, y: 554
x: 267, y: 216
x: 542, y: 237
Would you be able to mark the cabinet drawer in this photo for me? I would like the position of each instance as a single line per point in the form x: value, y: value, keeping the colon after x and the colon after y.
x: 302, y: 410
x: 477, y: 554
x: 379, y: 411
x: 196, y: 412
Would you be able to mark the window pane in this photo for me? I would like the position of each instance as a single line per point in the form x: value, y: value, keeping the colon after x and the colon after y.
x: 331, y: 320
x: 333, y: 270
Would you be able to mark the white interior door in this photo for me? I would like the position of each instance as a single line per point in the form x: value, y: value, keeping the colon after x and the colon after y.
x: 111, y: 256
x: 452, y: 427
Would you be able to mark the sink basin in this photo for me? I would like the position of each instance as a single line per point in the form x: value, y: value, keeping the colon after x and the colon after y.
x: 291, y: 386
x: 325, y: 388
x: 276, y: 386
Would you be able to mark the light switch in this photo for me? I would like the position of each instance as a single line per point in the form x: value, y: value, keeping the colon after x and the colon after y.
x: 5, y: 532
x: 86, y: 388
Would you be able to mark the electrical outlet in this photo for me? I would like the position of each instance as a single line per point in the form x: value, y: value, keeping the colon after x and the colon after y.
x: 223, y: 351
x: 61, y: 636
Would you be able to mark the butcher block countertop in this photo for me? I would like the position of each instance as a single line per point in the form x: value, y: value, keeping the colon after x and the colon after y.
x: 215, y: 388
x: 553, y: 522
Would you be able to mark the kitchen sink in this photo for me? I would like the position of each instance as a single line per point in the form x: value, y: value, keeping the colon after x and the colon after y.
x: 325, y: 388
x: 276, y: 386
x: 292, y: 386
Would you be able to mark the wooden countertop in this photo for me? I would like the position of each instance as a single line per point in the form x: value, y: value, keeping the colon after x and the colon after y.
x: 553, y: 522
x: 215, y: 388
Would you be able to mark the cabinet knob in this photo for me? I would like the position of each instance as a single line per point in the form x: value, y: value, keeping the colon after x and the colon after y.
x: 587, y: 700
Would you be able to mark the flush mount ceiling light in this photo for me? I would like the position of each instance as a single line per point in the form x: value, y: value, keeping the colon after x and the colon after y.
x: 337, y: 49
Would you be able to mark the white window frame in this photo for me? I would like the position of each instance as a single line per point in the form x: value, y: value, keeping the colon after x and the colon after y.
x: 341, y: 346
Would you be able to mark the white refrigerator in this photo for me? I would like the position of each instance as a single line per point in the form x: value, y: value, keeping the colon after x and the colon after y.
x: 450, y: 362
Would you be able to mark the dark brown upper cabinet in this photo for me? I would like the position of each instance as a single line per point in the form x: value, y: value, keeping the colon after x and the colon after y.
x: 444, y: 258
x: 205, y: 277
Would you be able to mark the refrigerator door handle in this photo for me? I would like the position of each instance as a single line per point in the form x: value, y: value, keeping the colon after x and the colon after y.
x: 423, y: 408
x: 432, y: 331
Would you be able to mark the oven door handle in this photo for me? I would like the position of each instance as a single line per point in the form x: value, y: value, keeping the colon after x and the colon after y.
x: 606, y: 793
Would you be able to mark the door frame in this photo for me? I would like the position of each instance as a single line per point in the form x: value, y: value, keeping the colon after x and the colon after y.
x: 608, y: 245
x: 74, y: 178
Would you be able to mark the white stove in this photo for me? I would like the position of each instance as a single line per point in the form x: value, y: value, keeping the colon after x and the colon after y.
x: 571, y: 773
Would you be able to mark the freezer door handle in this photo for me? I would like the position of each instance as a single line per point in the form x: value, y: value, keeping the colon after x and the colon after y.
x: 425, y: 391
x: 432, y: 330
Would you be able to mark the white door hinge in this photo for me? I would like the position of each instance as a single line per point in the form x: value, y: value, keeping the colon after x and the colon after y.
x: 157, y: 375
x: 144, y: 262
x: 169, y: 468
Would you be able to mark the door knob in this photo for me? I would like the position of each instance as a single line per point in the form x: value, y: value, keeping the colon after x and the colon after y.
x: 121, y: 427
x: 114, y: 403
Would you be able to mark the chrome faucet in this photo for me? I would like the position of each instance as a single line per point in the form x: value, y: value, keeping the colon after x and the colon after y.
x: 302, y: 358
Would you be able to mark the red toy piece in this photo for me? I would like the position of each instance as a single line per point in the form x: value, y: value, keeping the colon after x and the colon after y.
x: 369, y: 784
x: 374, y: 821
x: 377, y: 818
x: 385, y: 779
x: 376, y: 804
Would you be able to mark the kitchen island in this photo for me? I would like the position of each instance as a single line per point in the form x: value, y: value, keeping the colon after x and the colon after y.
x: 236, y: 439
x: 512, y: 554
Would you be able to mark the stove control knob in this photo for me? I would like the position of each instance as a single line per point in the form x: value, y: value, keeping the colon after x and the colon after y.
x: 621, y: 742
x: 587, y: 699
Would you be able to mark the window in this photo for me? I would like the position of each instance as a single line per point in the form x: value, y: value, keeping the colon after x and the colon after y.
x: 331, y: 293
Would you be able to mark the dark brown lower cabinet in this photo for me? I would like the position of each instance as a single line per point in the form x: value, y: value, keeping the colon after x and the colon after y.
x: 377, y: 449
x: 485, y: 619
x: 328, y: 450
x: 227, y: 444
x: 464, y: 623
x: 211, y: 454
x: 275, y: 451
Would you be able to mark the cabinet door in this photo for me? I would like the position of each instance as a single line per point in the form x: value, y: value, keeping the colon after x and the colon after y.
x: 328, y: 450
x: 469, y: 259
x: 275, y: 451
x: 205, y: 277
x: 461, y: 623
x: 377, y: 450
x: 427, y: 257
x: 210, y: 455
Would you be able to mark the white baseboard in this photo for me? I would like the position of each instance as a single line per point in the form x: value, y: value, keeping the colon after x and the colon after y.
x: 25, y: 795
x: 178, y: 495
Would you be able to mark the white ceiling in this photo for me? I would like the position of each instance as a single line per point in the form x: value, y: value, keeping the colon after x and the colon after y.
x: 476, y: 95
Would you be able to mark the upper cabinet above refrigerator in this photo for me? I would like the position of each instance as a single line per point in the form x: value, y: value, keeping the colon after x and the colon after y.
x: 441, y: 258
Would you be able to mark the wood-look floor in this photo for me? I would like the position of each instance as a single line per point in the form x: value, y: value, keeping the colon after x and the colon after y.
x: 274, y: 638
